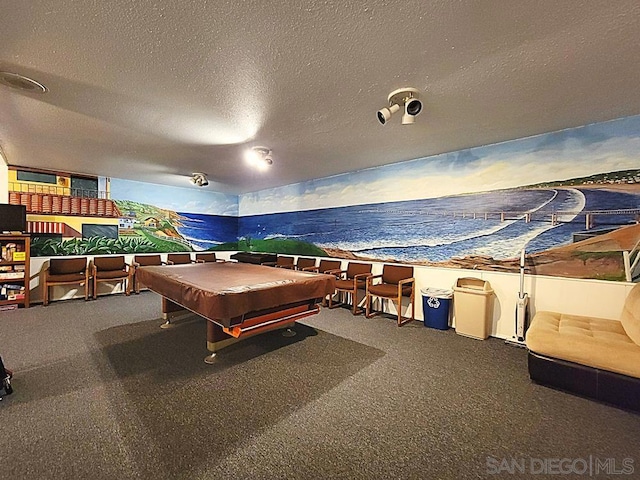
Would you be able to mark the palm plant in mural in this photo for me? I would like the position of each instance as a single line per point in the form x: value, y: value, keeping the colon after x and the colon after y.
x: 89, y: 246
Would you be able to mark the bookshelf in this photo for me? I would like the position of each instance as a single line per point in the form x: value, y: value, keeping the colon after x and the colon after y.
x: 14, y: 271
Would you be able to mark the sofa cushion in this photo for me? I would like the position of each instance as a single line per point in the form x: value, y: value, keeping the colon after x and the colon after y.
x: 630, y: 317
x: 594, y: 342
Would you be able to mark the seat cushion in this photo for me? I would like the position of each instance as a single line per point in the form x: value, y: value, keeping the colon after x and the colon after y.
x: 630, y: 317
x: 108, y: 274
x: 594, y: 342
x: 348, y: 284
x: 387, y: 290
x: 66, y: 278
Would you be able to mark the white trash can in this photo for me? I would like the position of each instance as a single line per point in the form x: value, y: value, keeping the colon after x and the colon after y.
x: 473, y: 307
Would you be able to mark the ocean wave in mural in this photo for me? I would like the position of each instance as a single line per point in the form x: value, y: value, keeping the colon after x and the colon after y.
x: 204, y: 231
x: 479, y: 230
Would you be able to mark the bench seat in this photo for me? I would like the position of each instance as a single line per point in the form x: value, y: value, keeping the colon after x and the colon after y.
x: 592, y: 356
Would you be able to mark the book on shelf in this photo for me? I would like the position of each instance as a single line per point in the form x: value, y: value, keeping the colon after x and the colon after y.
x: 8, y: 251
x: 11, y: 275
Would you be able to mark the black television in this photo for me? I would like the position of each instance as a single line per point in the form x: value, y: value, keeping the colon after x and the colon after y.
x: 13, y: 218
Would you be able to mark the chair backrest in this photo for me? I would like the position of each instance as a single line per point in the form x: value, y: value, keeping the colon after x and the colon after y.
x: 329, y: 265
x: 354, y: 269
x: 179, y: 258
x: 109, y: 263
x: 394, y: 273
x: 147, y: 260
x: 65, y: 266
x: 206, y: 257
x: 284, y: 261
x: 630, y: 317
x: 304, y: 262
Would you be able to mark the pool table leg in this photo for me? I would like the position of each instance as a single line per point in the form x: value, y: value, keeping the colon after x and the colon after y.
x: 217, y: 339
x: 172, y: 311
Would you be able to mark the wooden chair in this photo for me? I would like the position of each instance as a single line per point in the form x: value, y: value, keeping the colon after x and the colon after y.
x: 282, y: 261
x: 141, y: 261
x: 179, y: 258
x: 65, y: 271
x: 348, y: 283
x: 110, y: 269
x: 304, y: 262
x: 395, y: 282
x: 206, y: 257
x: 325, y: 266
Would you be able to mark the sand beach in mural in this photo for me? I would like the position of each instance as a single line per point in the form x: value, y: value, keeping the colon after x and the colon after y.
x: 599, y: 256
x: 575, y: 228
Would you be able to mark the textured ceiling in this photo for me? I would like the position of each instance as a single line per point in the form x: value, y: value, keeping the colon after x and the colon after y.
x: 153, y: 90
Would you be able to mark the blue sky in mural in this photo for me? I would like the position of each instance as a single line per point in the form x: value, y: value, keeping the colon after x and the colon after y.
x: 175, y: 198
x: 566, y: 154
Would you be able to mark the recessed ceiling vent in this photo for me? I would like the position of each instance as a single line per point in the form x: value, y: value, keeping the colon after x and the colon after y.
x: 20, y: 82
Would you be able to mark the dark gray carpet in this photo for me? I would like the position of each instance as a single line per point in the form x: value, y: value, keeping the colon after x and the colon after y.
x: 102, y: 392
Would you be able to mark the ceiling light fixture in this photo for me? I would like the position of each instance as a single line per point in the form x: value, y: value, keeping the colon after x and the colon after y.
x: 199, y: 179
x: 408, y: 98
x: 20, y: 82
x: 259, y: 157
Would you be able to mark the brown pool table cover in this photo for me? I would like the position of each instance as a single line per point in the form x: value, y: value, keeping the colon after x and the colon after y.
x: 224, y: 291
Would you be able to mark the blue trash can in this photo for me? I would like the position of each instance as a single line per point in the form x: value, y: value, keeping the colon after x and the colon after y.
x: 436, y: 307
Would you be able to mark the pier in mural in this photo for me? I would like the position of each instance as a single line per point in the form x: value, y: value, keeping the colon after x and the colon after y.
x: 567, y: 228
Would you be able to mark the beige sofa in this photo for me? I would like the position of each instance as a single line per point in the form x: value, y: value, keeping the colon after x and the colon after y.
x: 595, y: 357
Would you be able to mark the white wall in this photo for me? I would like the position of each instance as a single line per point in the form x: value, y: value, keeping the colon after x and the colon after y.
x: 598, y: 298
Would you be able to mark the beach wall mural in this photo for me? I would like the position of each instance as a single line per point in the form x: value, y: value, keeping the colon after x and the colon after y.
x: 571, y: 199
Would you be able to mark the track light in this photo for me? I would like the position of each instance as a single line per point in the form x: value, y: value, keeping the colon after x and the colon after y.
x: 199, y: 179
x: 259, y: 157
x: 408, y: 98
x: 384, y: 114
